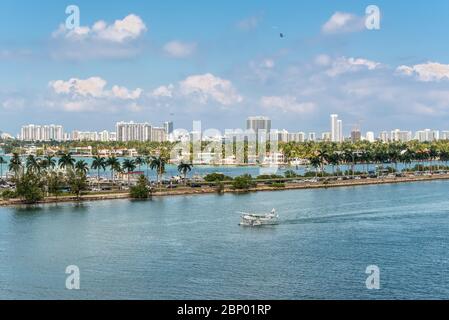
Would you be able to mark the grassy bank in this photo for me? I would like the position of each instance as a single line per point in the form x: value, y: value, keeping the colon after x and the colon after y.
x: 210, y: 189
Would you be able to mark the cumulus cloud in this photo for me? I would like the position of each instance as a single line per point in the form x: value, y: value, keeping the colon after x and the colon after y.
x: 102, y: 40
x: 207, y: 87
x: 129, y: 28
x: 93, y: 87
x: 163, y: 91
x: 126, y: 94
x: 343, y: 65
x: 343, y: 22
x: 178, y: 49
x: 286, y: 104
x: 78, y: 95
x: 429, y: 71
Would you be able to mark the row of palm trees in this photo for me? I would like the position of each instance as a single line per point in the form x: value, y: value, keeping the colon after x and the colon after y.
x: 366, y: 154
x: 66, y: 161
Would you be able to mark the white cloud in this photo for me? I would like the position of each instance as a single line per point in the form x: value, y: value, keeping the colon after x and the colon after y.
x: 344, y: 65
x: 93, y: 87
x: 208, y: 87
x: 163, y: 91
x: 342, y: 22
x: 129, y: 28
x: 125, y: 94
x: 287, y: 104
x: 178, y: 49
x: 88, y: 95
x: 429, y: 71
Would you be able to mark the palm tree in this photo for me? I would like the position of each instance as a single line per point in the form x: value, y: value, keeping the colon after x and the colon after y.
x: 158, y: 163
x: 114, y: 164
x: 32, y: 164
x: 2, y: 162
x: 97, y: 164
x: 66, y: 161
x: 82, y: 167
x: 15, y: 164
x: 48, y: 162
x: 129, y: 166
x: 139, y: 161
x: 316, y: 163
x: 184, y: 168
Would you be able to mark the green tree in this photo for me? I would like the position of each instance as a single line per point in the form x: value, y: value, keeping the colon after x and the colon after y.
x: 243, y: 182
x: 33, y: 164
x: 77, y: 182
x: 141, y: 189
x: 29, y: 187
x: 81, y: 167
x: 66, y: 161
x: 158, y: 163
x: 98, y: 163
x: 55, y: 182
x: 184, y: 168
x: 129, y: 166
x: 2, y: 162
x: 15, y: 165
x: 114, y: 164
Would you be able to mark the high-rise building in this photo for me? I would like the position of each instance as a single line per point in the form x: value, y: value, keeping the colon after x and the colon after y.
x: 168, y: 126
x: 130, y: 131
x: 383, y: 136
x: 427, y: 135
x: 444, y: 135
x: 42, y: 133
x: 370, y: 136
x: 340, y: 131
x: 334, y: 128
x: 402, y: 136
x: 258, y: 124
x: 326, y: 136
x: 312, y: 136
x: 296, y: 137
x: 356, y: 135
x: 158, y: 134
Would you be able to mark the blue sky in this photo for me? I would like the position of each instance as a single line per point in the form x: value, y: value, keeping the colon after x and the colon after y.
x: 221, y: 61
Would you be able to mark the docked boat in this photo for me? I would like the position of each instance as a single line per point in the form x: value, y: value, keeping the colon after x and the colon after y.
x: 256, y: 220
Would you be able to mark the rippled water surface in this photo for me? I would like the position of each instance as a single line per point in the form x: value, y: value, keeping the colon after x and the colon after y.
x: 191, y: 247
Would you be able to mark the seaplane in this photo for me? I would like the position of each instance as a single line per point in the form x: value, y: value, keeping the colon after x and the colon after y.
x: 257, y: 220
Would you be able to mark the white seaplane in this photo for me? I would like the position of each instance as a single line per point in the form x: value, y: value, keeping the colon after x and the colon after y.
x: 257, y: 220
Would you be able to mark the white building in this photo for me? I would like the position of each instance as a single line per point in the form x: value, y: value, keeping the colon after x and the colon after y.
x: 336, y: 129
x: 402, y: 136
x: 383, y: 136
x: 326, y: 136
x: 296, y: 137
x: 370, y: 136
x: 33, y: 132
x: 312, y: 136
x: 130, y: 131
x: 444, y: 135
x: 427, y: 135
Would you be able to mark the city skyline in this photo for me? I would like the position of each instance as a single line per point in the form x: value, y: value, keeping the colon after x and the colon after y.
x: 132, y: 62
x: 145, y: 131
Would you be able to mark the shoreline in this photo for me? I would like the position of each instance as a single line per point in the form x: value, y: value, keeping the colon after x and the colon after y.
x: 211, y: 190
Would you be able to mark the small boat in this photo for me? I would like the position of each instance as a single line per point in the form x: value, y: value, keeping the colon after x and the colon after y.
x: 256, y: 220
